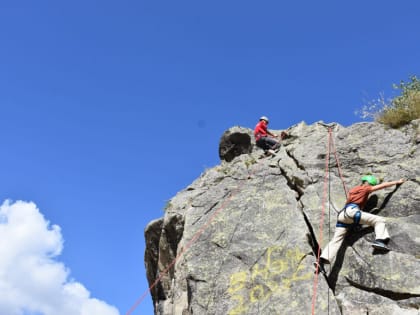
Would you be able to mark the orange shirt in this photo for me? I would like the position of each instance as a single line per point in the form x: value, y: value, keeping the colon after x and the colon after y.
x: 359, y: 195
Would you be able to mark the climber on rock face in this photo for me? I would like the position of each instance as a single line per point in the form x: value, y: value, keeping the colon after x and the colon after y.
x: 352, y: 215
x: 265, y: 139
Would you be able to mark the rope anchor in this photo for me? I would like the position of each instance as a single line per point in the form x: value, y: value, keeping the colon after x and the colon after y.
x: 330, y: 126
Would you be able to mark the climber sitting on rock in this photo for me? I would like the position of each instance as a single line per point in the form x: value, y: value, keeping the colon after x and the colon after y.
x: 265, y: 139
x: 352, y: 215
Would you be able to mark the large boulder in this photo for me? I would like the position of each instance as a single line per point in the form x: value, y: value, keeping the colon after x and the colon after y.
x: 241, y: 238
x: 234, y: 142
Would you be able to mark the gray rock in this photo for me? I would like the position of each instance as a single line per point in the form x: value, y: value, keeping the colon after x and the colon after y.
x: 241, y: 238
x: 234, y: 142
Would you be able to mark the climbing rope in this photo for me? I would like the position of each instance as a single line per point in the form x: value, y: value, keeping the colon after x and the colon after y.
x: 182, y: 252
x: 321, y: 224
x: 327, y: 190
x: 195, y: 237
x: 340, y: 173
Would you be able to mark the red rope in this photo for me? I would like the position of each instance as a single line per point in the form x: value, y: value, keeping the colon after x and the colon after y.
x: 322, y: 220
x: 330, y: 145
x: 339, y: 167
x: 187, y: 246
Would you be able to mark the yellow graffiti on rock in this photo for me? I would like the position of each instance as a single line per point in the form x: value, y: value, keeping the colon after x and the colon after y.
x: 274, y: 276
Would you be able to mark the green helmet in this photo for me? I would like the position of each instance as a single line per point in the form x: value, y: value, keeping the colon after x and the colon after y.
x: 370, y: 179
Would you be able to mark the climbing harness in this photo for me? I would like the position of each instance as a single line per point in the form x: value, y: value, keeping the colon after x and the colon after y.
x: 330, y: 149
x: 355, y: 218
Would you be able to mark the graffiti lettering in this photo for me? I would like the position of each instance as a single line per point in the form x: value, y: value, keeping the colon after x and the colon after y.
x: 265, y: 279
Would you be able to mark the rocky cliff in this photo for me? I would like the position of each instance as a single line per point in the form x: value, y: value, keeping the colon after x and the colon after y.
x: 241, y: 238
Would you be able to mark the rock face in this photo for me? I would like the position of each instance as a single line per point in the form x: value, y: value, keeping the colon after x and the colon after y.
x: 241, y: 238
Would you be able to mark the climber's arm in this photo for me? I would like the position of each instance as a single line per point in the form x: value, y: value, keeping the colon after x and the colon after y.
x: 387, y: 184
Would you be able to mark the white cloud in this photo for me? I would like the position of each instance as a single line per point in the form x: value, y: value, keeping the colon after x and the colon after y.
x: 31, y: 280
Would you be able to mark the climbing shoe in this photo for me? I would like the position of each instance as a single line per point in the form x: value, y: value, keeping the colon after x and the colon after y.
x: 378, y: 244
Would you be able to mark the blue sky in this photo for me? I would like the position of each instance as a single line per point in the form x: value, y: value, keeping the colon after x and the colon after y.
x: 109, y: 108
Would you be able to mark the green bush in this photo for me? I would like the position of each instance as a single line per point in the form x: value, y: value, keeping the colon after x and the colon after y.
x: 398, y: 111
